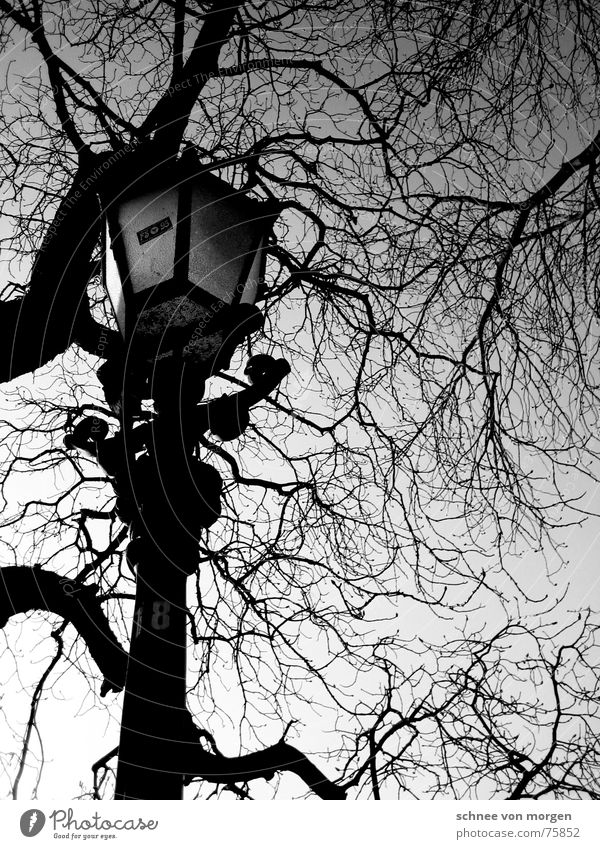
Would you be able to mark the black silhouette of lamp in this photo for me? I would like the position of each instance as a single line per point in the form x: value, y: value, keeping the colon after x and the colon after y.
x: 183, y: 265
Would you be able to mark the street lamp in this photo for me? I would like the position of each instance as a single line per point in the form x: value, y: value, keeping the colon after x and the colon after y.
x: 183, y: 265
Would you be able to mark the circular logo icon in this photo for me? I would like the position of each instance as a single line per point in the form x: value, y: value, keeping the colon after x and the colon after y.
x: 32, y: 822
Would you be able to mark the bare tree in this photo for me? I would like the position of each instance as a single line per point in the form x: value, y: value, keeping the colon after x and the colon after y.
x: 433, y: 280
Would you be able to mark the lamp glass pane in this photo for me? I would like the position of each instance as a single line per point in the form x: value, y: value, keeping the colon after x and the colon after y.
x: 148, y: 224
x: 112, y: 281
x: 251, y: 287
x: 223, y: 240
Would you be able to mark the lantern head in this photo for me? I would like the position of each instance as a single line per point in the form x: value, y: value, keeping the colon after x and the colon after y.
x: 184, y: 259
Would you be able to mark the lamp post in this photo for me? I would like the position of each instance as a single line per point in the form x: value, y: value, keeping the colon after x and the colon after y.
x: 184, y: 257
